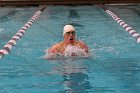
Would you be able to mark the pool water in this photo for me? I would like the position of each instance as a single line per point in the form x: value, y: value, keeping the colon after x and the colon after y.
x: 113, y: 65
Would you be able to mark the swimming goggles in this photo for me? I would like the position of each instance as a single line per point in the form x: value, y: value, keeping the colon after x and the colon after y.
x: 68, y: 33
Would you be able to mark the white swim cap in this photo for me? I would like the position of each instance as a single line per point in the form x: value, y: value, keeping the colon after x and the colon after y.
x: 68, y: 28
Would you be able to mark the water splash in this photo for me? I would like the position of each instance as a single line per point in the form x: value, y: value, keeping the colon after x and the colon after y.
x: 70, y: 52
x: 75, y: 51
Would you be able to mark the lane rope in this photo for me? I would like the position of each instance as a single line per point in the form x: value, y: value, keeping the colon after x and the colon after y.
x: 12, y: 42
x: 128, y: 28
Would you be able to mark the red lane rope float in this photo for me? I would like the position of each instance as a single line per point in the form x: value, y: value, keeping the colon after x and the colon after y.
x: 128, y: 28
x: 7, y: 48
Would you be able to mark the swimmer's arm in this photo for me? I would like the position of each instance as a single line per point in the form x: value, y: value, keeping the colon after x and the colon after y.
x: 84, y: 46
x: 53, y: 49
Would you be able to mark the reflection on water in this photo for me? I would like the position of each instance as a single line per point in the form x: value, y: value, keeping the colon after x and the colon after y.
x: 73, y: 13
x: 75, y: 79
x: 4, y: 17
x: 73, y: 18
x: 76, y: 83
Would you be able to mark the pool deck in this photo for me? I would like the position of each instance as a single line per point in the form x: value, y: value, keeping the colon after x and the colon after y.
x: 62, y: 2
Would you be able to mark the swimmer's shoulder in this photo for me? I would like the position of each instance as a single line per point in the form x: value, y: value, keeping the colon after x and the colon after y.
x: 57, y: 46
x: 60, y: 44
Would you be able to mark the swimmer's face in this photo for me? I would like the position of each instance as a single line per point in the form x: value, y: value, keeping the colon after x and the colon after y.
x: 69, y: 37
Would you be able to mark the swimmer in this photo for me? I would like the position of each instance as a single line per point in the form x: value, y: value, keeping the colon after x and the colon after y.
x: 69, y: 46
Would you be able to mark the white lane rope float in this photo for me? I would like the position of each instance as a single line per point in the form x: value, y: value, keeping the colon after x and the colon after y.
x: 7, y: 48
x: 128, y: 28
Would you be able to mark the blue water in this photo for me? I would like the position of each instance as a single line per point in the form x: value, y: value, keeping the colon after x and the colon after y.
x: 113, y: 65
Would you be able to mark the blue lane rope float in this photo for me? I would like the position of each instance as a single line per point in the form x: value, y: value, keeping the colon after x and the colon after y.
x: 7, y: 48
x: 128, y: 28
